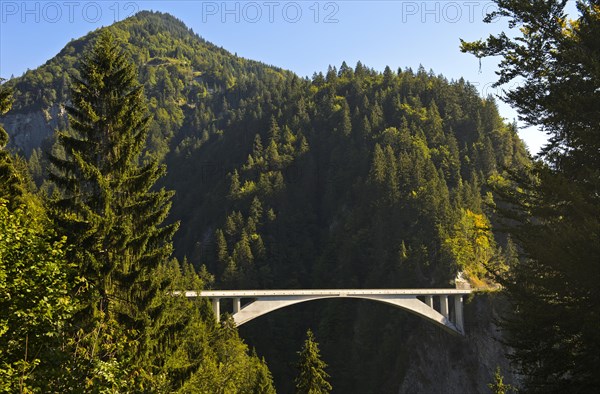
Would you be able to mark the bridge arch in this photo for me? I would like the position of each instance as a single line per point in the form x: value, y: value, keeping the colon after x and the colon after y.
x: 417, y: 301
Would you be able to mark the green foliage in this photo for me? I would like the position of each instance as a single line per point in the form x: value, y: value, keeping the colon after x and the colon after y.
x: 472, y: 245
x: 551, y: 287
x: 11, y: 184
x: 130, y: 333
x: 312, y: 378
x: 34, y: 300
x: 34, y: 289
x: 6, y: 100
x: 498, y: 386
x: 264, y: 380
x: 5, y: 105
x: 554, y: 213
x: 191, y: 352
x: 106, y: 209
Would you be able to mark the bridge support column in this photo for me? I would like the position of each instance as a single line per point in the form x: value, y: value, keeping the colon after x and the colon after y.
x: 444, y: 305
x: 236, y: 305
x: 429, y: 301
x: 216, y: 308
x: 458, y: 310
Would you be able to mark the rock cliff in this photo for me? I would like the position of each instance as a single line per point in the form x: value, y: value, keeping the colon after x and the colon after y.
x: 441, y: 364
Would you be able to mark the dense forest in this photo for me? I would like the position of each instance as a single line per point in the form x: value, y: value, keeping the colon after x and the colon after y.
x: 355, y: 178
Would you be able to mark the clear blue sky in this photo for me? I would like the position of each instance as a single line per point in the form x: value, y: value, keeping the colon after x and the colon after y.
x: 302, y: 36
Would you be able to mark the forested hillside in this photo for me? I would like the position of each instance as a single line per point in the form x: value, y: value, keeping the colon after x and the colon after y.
x: 356, y: 178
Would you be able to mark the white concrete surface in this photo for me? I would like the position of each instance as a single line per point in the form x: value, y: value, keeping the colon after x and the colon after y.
x: 265, y: 301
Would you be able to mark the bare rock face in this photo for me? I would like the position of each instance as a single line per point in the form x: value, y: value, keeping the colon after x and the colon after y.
x: 27, y: 130
x: 442, y: 364
x: 461, y: 282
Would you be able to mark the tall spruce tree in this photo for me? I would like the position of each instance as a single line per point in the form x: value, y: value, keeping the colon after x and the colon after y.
x: 108, y: 208
x: 311, y: 378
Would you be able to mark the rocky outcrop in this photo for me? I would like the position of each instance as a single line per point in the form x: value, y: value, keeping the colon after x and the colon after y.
x: 440, y: 364
x: 27, y: 130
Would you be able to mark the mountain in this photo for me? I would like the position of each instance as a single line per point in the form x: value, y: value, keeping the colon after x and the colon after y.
x: 356, y: 178
x: 179, y: 70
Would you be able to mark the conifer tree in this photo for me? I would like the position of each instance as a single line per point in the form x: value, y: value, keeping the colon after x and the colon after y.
x: 274, y: 130
x: 311, y: 378
x: 11, y: 188
x: 498, y: 386
x: 222, y: 253
x: 5, y: 105
x: 264, y: 380
x: 107, y: 206
x: 257, y: 147
x: 378, y: 167
x: 553, y: 289
x: 234, y: 188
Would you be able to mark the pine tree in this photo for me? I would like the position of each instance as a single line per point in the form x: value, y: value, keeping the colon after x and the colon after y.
x: 234, y: 187
x: 365, y: 129
x: 378, y: 166
x: 264, y: 380
x: 108, y: 209
x: 274, y: 131
x: 256, y: 210
x: 391, y: 175
x: 388, y: 76
x: 553, y: 329
x: 5, y: 106
x: 344, y: 123
x: 257, y: 147
x: 311, y: 378
x: 498, y: 386
x: 222, y: 252
x: 35, y: 166
x: 272, y: 156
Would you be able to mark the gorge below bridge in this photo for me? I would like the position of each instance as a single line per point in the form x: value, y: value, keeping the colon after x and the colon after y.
x: 431, y: 304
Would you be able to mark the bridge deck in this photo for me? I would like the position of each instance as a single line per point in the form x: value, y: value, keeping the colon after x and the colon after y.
x: 321, y: 292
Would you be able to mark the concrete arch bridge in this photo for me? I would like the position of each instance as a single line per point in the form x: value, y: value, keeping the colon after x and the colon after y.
x: 431, y: 304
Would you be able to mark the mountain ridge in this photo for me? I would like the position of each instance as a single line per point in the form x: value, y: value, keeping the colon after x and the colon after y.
x: 42, y: 91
